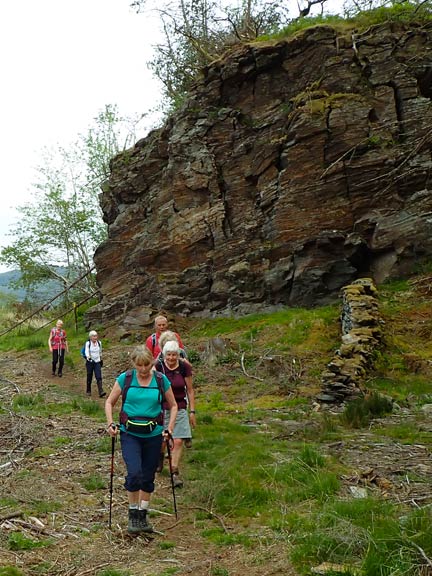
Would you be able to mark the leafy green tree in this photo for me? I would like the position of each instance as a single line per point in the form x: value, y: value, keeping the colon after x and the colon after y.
x: 61, y: 227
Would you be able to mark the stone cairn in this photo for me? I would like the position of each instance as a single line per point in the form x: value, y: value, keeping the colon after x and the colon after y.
x: 361, y: 335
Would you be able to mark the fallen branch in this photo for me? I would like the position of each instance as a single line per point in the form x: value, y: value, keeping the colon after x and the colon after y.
x: 11, y: 515
x: 37, y: 529
x: 12, y: 384
x: 93, y: 569
x: 218, y: 518
x: 244, y: 370
x: 173, y: 525
x: 159, y: 512
x: 423, y: 554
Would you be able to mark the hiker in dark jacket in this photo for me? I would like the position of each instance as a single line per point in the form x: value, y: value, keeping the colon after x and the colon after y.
x: 141, y: 430
x: 179, y: 373
x: 58, y: 346
x: 93, y: 356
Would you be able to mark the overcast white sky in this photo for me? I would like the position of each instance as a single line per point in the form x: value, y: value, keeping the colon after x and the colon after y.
x: 61, y: 62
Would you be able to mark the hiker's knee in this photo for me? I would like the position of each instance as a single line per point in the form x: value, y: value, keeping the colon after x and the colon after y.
x: 178, y: 443
x: 134, y: 482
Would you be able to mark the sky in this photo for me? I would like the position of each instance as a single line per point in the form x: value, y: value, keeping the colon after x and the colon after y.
x: 61, y: 62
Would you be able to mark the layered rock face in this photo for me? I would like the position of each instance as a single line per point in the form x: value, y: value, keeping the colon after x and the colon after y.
x: 294, y: 168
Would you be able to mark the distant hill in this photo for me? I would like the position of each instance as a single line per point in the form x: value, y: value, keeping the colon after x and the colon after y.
x: 45, y: 292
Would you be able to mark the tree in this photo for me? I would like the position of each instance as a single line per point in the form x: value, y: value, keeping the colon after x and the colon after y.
x: 196, y: 32
x: 59, y: 230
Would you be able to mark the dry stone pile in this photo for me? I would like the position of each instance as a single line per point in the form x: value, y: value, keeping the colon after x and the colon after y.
x: 361, y: 335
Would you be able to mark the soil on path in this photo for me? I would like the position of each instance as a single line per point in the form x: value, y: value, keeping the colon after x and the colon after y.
x: 55, y: 469
x: 47, y: 466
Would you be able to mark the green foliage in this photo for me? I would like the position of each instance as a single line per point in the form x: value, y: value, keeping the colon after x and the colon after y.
x: 27, y: 401
x: 254, y: 324
x: 359, y: 412
x: 363, y: 533
x: 260, y: 458
x: 302, y: 24
x: 40, y: 507
x: 88, y: 407
x: 93, y: 482
x: 59, y: 231
x: 305, y: 477
x: 194, y: 357
x: 62, y: 440
x: 17, y: 541
x: 112, y: 572
x: 393, y: 12
x: 166, y: 545
x: 101, y: 444
x: 10, y: 571
x: 197, y: 32
x: 217, y: 571
x: 406, y: 433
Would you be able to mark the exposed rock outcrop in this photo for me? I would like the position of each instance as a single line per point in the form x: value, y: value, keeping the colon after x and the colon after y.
x: 294, y: 168
x: 361, y: 335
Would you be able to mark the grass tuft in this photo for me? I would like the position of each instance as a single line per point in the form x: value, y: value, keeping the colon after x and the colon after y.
x: 359, y: 412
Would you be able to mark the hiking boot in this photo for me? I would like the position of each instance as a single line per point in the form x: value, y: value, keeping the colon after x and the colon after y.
x: 53, y: 373
x: 60, y: 374
x: 188, y: 442
x: 143, y: 522
x: 177, y: 481
x: 88, y: 393
x: 100, y: 389
x: 160, y: 463
x: 134, y: 523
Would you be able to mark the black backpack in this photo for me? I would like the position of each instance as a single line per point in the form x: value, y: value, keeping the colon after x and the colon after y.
x: 182, y: 366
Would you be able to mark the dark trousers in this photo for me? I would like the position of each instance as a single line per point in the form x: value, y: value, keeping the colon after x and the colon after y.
x: 58, y: 356
x: 141, y: 456
x: 94, y: 368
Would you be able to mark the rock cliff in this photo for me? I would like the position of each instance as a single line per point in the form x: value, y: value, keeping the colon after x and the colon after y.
x: 295, y: 167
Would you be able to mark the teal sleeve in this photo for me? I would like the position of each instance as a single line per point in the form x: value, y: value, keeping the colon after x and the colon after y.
x: 166, y: 382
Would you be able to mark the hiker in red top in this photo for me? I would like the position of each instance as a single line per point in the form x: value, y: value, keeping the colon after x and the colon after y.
x: 152, y: 342
x: 58, y: 345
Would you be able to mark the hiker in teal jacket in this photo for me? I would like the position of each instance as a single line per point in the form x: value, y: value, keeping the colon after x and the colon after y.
x: 141, y: 430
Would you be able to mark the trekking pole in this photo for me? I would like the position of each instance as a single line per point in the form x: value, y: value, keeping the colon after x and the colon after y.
x: 171, y: 472
x: 113, y: 439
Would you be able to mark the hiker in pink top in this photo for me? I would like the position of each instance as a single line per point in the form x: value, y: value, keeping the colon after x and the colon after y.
x: 152, y: 342
x: 58, y: 346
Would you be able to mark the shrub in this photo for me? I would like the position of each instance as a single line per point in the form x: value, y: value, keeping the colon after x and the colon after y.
x: 359, y: 412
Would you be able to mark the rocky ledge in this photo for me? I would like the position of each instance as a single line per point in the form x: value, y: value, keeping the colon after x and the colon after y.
x: 294, y: 168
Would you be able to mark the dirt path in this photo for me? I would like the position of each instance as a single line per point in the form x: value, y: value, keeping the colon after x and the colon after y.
x: 49, y: 457
x: 45, y: 463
